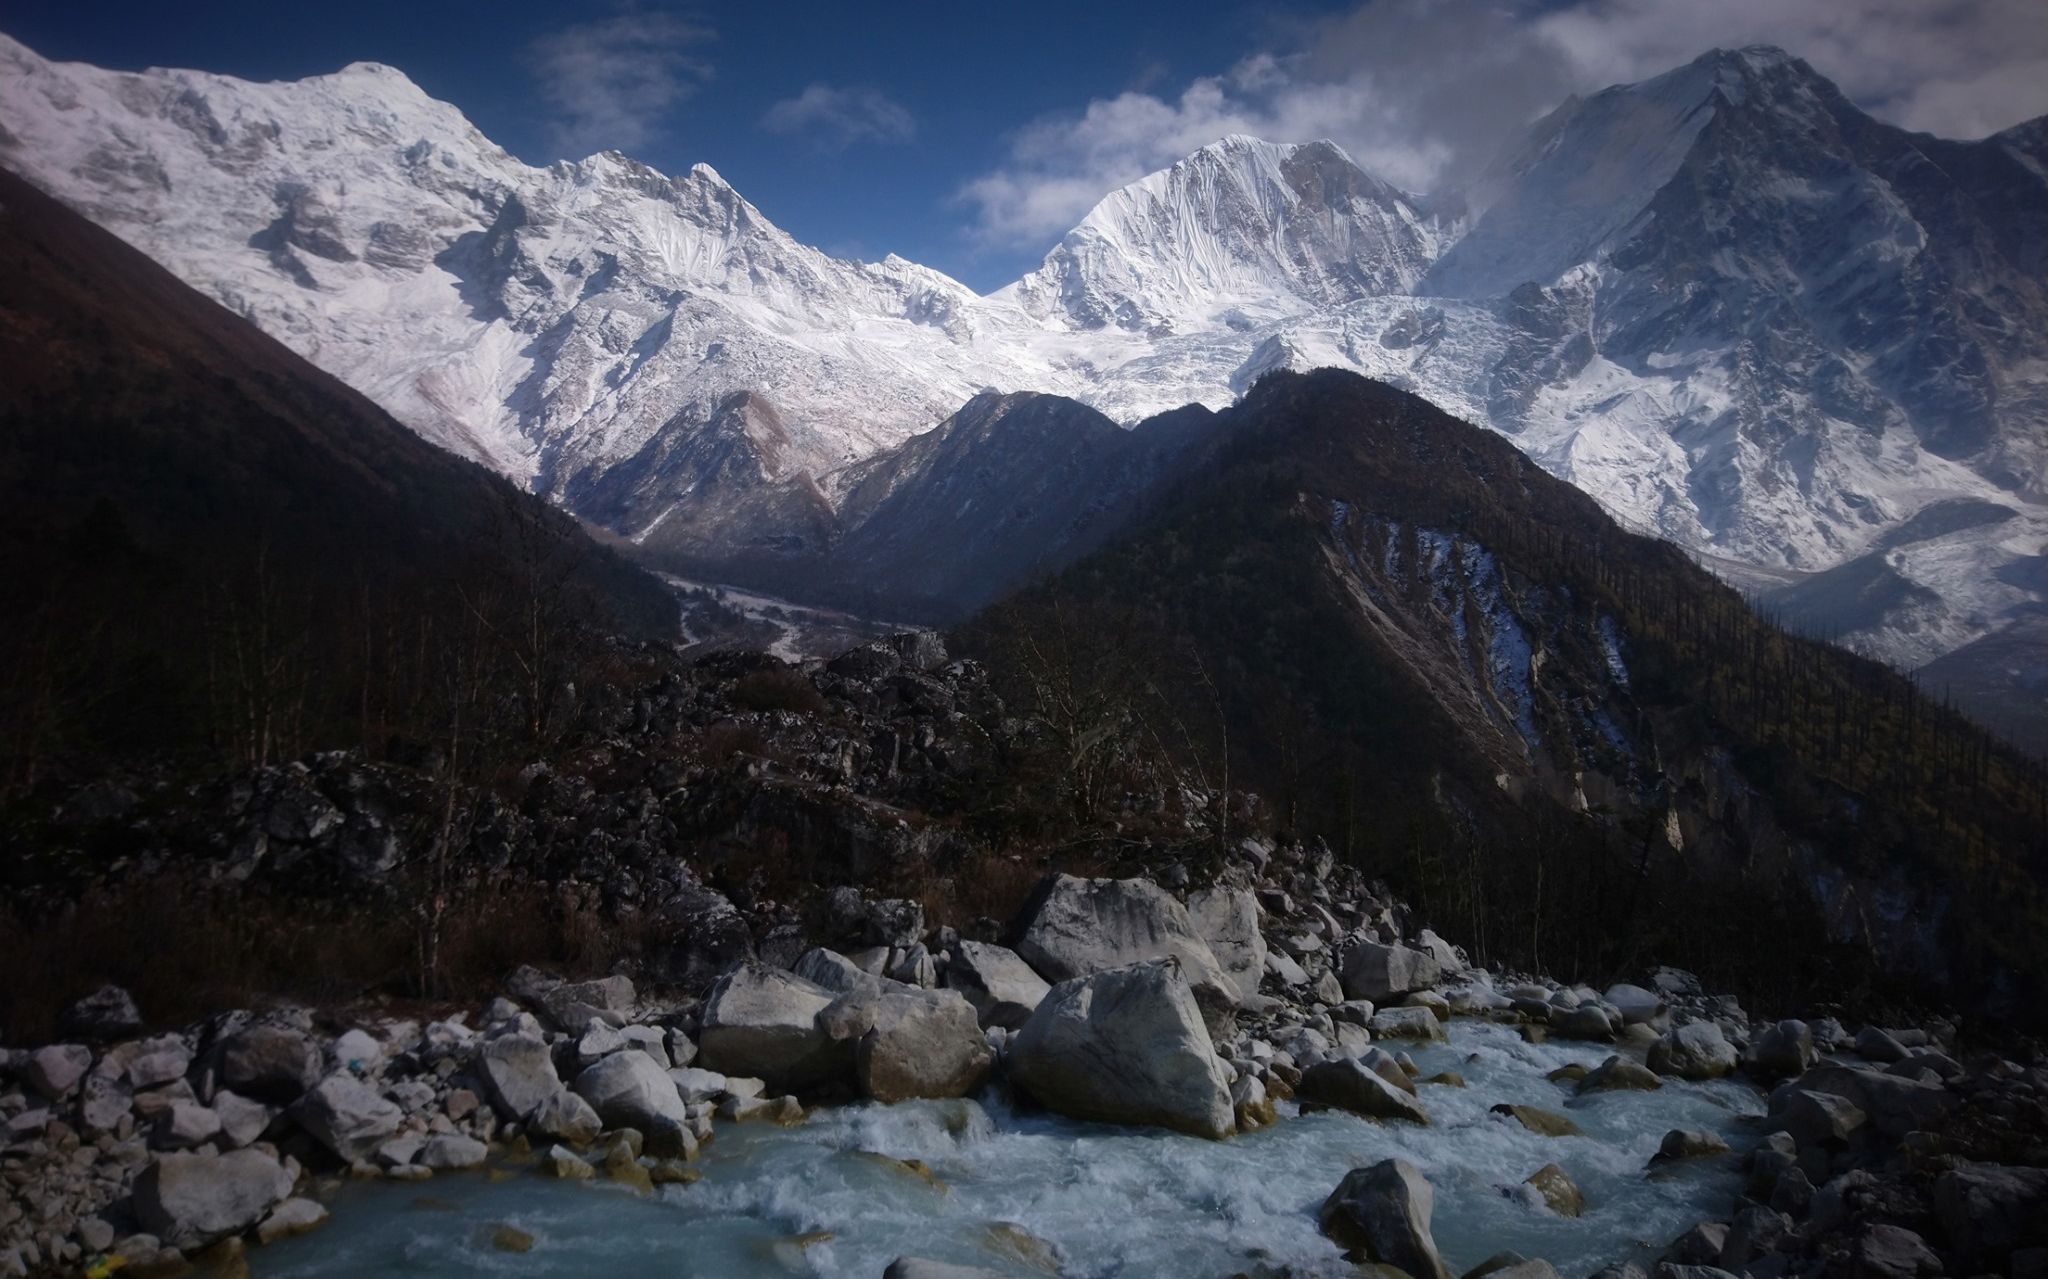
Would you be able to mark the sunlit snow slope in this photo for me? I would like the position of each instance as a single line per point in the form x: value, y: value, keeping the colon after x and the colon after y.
x: 1725, y: 302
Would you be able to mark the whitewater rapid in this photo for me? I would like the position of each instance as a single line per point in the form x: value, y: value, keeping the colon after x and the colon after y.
x: 1018, y: 1192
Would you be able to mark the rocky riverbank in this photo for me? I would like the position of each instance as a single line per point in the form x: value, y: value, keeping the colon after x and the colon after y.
x: 1285, y: 986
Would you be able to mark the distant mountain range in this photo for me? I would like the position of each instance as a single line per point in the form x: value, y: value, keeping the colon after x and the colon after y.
x: 1807, y: 346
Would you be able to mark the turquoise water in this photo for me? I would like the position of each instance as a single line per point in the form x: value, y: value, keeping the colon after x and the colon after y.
x: 1017, y: 1193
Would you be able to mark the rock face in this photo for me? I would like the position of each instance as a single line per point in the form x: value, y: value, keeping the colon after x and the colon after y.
x: 190, y: 1201
x: 347, y: 1117
x: 919, y: 1043
x: 1080, y: 926
x: 762, y: 1022
x: 1383, y: 1212
x: 1227, y: 919
x: 1988, y: 1211
x: 1125, y: 1046
x: 1002, y: 988
x: 519, y: 1074
x: 1379, y: 973
x: 628, y: 1090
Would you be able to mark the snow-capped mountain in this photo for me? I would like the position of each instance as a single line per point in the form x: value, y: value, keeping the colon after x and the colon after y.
x: 1732, y: 307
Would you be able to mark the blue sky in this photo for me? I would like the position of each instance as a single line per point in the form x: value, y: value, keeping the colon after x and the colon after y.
x: 968, y: 135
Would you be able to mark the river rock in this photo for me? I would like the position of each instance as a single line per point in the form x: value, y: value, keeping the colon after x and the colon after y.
x: 1227, y: 919
x: 1559, y: 1191
x: 920, y: 1268
x: 1406, y: 1023
x: 763, y: 1022
x: 270, y: 1063
x: 55, y: 1071
x: 1783, y: 1050
x: 1587, y: 1021
x: 830, y: 970
x: 189, y: 1201
x: 560, y: 1161
x: 995, y: 979
x: 1349, y: 1084
x: 1989, y: 1210
x: 1383, y: 1213
x: 185, y: 1125
x: 292, y: 1217
x: 1815, y: 1118
x: 519, y: 1074
x: 1076, y: 927
x: 1127, y: 1045
x: 1544, y: 1123
x: 571, y: 1006
x: 450, y: 1151
x: 1883, y: 1251
x: 102, y: 1017
x: 628, y: 1090
x: 1894, y: 1104
x: 565, y: 1117
x: 1878, y: 1046
x: 1620, y: 1074
x: 1696, y: 1051
x: 918, y: 1043
x: 1636, y: 1005
x: 1369, y: 970
x: 346, y: 1116
x: 1690, y: 1143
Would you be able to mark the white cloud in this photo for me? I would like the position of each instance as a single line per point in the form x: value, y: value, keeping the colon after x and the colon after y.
x: 836, y: 117
x: 611, y: 82
x: 1422, y: 92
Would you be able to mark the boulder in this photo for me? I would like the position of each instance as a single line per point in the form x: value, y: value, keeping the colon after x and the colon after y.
x: 1002, y: 988
x: 1875, y: 1045
x: 270, y: 1063
x: 519, y: 1074
x: 1783, y: 1050
x: 1636, y: 1005
x: 102, y: 1017
x: 448, y: 1151
x: 1406, y: 1023
x: 1445, y: 954
x: 159, y: 1061
x: 1690, y: 1143
x: 55, y: 1071
x: 763, y: 1022
x: 1989, y: 1210
x: 292, y: 1217
x: 1884, y: 1251
x: 1383, y: 1213
x: 1227, y: 920
x: 565, y: 1117
x: 1697, y: 1051
x: 560, y: 1161
x: 1893, y: 1104
x: 571, y: 1006
x: 1349, y: 1084
x: 347, y: 1117
x: 1127, y: 1045
x: 1369, y: 970
x: 1620, y: 1074
x: 184, y: 1125
x: 1543, y: 1123
x: 913, y: 1043
x: 189, y: 1201
x: 242, y: 1119
x: 628, y: 1090
x: 1075, y: 927
x: 1560, y: 1193
x: 830, y: 970
x: 1587, y: 1021
x: 920, y: 1268
x: 1815, y: 1118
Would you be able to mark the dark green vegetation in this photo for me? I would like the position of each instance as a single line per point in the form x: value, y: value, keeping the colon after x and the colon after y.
x: 1795, y: 821
x: 214, y: 551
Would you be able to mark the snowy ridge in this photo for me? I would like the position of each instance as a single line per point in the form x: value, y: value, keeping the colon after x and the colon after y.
x: 1724, y: 302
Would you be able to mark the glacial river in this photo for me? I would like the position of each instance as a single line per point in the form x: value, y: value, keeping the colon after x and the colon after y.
x: 1031, y: 1195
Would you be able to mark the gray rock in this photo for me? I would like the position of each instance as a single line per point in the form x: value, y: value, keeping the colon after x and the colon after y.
x: 1892, y: 1252
x: 1369, y: 970
x: 1227, y: 920
x: 571, y: 1006
x: 55, y: 1071
x: 698, y: 1084
x: 1002, y: 988
x: 566, y: 1117
x: 292, y: 1217
x: 1988, y: 1210
x: 159, y: 1061
x: 1406, y: 1023
x: 627, y: 1090
x: 1445, y: 954
x: 189, y: 1201
x: 243, y: 1120
x: 1894, y: 1105
x: 1878, y: 1046
x: 1127, y: 1045
x: 832, y: 971
x: 1349, y: 1084
x: 763, y: 1022
x: 894, y: 922
x: 103, y: 1103
x: 1383, y: 1212
x: 1637, y: 1006
x: 910, y: 1043
x: 270, y: 1063
x: 1690, y: 1143
x: 1620, y: 1074
x: 1697, y: 1051
x: 1816, y: 1118
x: 346, y: 1116
x: 102, y: 1017
x: 1783, y: 1050
x: 447, y: 1151
x: 1076, y: 927
x: 185, y: 1125
x: 519, y: 1074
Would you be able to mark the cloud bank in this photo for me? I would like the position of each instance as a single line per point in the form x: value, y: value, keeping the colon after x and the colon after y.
x: 611, y: 82
x: 1424, y: 92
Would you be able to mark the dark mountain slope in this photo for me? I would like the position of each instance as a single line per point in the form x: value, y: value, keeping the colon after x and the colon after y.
x: 1465, y: 674
x: 186, y: 505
